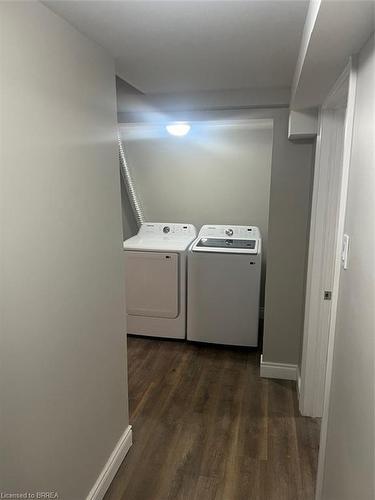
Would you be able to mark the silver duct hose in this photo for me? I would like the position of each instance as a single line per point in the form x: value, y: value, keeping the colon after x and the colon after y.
x: 125, y: 172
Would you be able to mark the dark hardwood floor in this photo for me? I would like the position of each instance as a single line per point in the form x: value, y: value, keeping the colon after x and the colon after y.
x: 206, y: 426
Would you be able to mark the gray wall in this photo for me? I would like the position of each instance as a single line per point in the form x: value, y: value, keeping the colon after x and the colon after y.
x: 288, y: 237
x: 288, y: 231
x: 63, y: 353
x: 350, y: 463
x: 219, y: 173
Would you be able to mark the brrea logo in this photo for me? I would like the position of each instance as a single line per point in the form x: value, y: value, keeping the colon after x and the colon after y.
x: 41, y: 495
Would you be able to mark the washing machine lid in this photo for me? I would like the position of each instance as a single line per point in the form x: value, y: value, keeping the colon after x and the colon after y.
x: 228, y: 239
x: 157, y: 236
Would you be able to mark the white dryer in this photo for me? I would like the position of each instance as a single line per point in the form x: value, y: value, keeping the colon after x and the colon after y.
x: 224, y: 267
x: 155, y: 283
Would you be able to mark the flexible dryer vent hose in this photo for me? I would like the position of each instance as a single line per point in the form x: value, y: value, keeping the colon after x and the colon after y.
x: 125, y: 172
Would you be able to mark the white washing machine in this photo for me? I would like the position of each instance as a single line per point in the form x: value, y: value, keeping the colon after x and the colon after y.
x: 155, y: 268
x: 224, y: 266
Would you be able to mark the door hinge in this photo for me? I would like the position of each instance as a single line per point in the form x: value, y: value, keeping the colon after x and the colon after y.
x: 327, y: 295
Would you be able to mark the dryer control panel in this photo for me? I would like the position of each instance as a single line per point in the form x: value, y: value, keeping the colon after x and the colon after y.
x: 165, y: 229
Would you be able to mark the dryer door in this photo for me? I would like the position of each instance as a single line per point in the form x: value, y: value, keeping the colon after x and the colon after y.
x: 152, y: 284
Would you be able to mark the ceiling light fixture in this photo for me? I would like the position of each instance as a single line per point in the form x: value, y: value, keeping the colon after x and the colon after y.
x: 179, y: 129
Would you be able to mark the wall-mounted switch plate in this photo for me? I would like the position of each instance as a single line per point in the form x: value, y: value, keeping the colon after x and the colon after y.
x: 345, y: 251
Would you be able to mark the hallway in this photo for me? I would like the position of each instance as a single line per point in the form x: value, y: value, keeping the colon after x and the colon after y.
x: 206, y: 426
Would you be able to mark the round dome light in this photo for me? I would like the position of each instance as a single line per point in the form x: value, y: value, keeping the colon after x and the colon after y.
x: 178, y: 129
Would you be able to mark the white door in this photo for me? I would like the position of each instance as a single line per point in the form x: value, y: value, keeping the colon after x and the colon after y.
x: 328, y: 208
x: 152, y: 284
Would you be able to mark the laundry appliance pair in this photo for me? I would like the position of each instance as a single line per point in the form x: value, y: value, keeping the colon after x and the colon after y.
x: 204, y: 288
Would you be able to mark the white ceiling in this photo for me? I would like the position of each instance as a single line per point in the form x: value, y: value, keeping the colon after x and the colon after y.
x: 189, y: 46
x: 332, y: 40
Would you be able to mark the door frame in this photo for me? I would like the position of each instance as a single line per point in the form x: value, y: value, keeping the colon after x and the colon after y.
x: 332, y: 160
x: 347, y: 150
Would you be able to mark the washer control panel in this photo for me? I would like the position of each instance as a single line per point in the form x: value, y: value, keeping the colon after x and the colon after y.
x: 228, y: 239
x: 221, y: 231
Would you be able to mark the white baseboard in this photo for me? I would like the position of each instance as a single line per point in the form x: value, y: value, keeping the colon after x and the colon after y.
x: 298, y: 383
x: 284, y: 371
x: 110, y: 468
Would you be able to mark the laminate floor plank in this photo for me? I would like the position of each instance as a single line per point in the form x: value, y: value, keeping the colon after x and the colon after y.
x: 207, y: 427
